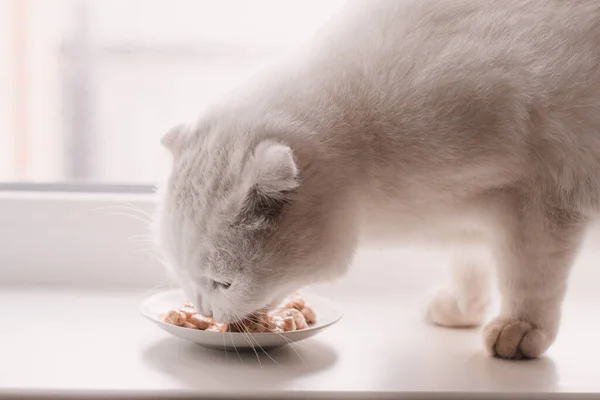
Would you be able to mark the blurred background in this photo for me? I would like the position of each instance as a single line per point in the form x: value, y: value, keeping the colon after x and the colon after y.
x: 88, y: 87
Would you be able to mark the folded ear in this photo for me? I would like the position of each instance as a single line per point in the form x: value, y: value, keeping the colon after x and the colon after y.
x: 172, y: 140
x: 274, y: 168
x: 273, y: 178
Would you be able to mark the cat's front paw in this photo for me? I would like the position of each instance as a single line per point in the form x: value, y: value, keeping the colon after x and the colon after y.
x: 515, y: 339
x: 456, y: 310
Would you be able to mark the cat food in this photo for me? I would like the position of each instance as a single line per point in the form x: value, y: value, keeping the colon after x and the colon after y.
x: 199, y: 321
x: 293, y: 314
x: 309, y: 314
x: 296, y: 315
x: 175, y: 317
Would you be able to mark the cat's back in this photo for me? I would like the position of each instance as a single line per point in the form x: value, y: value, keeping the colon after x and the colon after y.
x: 503, y: 76
x: 536, y: 41
x: 497, y: 60
x: 396, y: 23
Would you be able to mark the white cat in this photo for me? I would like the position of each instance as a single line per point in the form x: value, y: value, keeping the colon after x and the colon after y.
x: 471, y: 120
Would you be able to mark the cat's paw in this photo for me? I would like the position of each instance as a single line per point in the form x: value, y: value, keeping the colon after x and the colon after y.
x: 447, y: 308
x: 515, y: 339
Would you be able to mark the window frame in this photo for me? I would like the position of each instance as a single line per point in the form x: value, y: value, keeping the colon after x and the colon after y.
x: 76, y: 187
x: 77, y: 235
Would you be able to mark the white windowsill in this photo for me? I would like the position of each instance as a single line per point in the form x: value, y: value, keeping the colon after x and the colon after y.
x: 94, y: 343
x: 71, y: 330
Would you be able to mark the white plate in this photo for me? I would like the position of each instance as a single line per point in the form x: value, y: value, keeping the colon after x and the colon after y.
x: 328, y: 313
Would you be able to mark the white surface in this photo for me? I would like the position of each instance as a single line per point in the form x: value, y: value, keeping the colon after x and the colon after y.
x: 70, y: 342
x: 328, y: 313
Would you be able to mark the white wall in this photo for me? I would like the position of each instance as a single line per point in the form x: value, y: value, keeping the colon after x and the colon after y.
x: 7, y: 170
x: 48, y: 25
x: 140, y: 84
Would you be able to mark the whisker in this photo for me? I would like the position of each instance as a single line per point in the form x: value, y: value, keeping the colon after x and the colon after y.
x: 134, y: 207
x: 159, y: 258
x: 148, y: 250
x: 151, y: 247
x: 139, y: 239
x: 256, y: 341
x: 224, y: 346
x: 235, y: 348
x: 135, y: 211
x: 156, y: 289
x: 123, y: 206
x: 292, y: 344
x: 244, y: 335
x: 143, y: 235
x: 288, y: 341
x: 162, y: 261
x: 132, y: 216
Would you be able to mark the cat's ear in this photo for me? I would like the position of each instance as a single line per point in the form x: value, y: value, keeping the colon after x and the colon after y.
x: 173, y: 138
x: 274, y: 169
x: 273, y: 179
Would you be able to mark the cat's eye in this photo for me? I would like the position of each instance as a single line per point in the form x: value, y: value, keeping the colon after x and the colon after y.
x: 221, y: 285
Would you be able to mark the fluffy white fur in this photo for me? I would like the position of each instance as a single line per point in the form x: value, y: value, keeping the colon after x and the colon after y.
x: 475, y: 121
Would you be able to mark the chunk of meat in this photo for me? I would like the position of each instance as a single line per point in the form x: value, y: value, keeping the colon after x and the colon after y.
x: 188, y: 311
x: 294, y: 301
x: 217, y: 327
x: 288, y: 324
x: 175, y: 317
x: 189, y: 325
x: 309, y: 314
x: 299, y: 319
x: 200, y: 321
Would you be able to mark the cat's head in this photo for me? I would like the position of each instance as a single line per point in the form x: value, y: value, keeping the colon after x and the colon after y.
x: 241, y: 225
